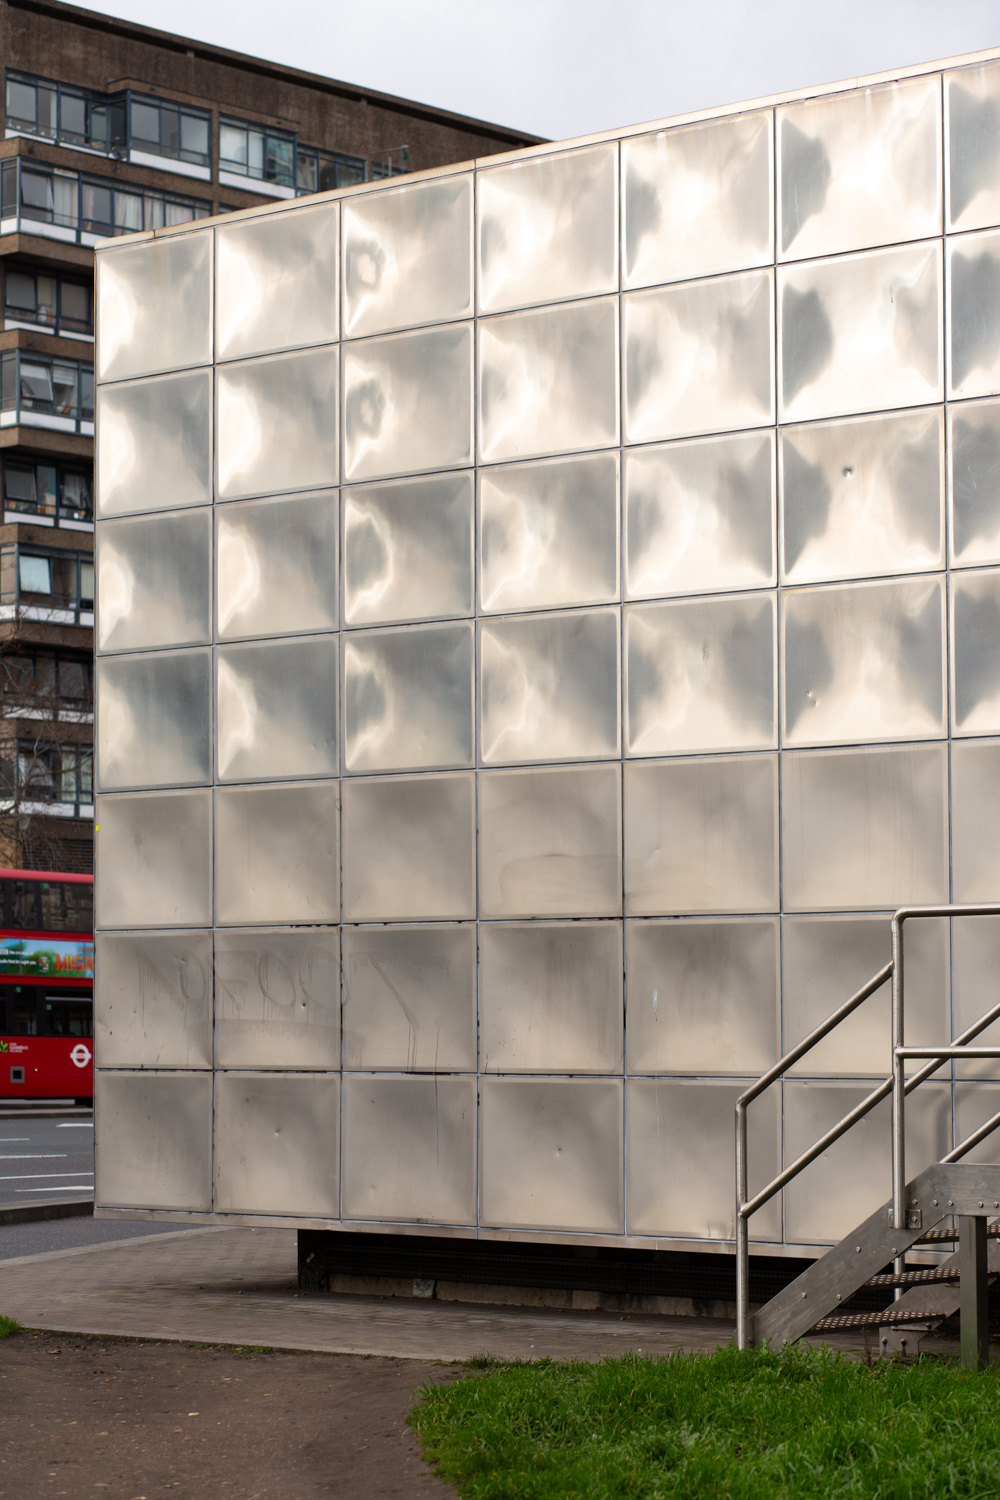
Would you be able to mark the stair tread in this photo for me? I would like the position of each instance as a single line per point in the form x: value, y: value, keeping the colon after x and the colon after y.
x: 914, y: 1278
x: 877, y: 1319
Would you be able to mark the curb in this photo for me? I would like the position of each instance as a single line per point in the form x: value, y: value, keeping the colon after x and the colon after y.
x: 34, y: 1213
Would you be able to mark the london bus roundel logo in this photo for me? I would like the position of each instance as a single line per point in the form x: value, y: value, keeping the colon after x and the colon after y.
x: 80, y: 1055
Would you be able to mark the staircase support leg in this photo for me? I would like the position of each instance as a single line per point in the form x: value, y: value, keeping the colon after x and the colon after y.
x: 972, y: 1267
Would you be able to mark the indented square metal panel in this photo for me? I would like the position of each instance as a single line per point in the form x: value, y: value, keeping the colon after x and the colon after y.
x: 975, y: 798
x: 862, y: 497
x: 972, y: 103
x: 153, y: 1008
x: 410, y: 997
x: 276, y: 566
x: 409, y: 698
x: 155, y: 307
x: 548, y: 381
x: 698, y: 199
x: 864, y: 828
x: 699, y: 516
x: 409, y: 1148
x: 154, y: 719
x: 860, y: 333
x: 974, y: 453
x: 681, y: 1178
x: 277, y: 1142
x: 548, y: 228
x: 550, y: 997
x: 975, y: 1103
x: 826, y: 960
x: 550, y: 842
x: 277, y: 998
x: 701, y: 835
x: 409, y: 847
x: 863, y: 662
x: 699, y: 357
x: 155, y: 449
x: 549, y: 687
x: 551, y: 1154
x: 859, y: 168
x: 700, y: 675
x: 277, y: 853
x: 976, y: 956
x: 276, y: 424
x: 278, y: 285
x: 154, y: 860
x: 408, y: 255
x: 974, y: 314
x: 153, y: 1140
x: 276, y: 709
x: 548, y: 534
x: 408, y: 550
x: 702, y: 995
x: 408, y: 403
x: 975, y: 627
x: 154, y: 579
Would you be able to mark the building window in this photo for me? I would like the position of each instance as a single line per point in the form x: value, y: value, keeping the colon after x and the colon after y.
x: 47, y: 301
x: 37, y: 385
x: 53, y: 584
x: 45, y: 684
x: 167, y: 129
x: 39, y: 487
x: 60, y: 112
x: 55, y: 773
x: 77, y: 206
x: 254, y: 151
x: 320, y: 171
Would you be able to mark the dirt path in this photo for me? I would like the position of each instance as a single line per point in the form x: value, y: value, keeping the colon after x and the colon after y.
x: 136, y: 1420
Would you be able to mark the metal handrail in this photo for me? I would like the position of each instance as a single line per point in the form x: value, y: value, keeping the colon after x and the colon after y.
x: 897, y: 1085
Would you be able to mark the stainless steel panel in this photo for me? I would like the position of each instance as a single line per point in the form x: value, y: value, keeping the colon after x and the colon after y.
x: 974, y: 452
x: 276, y: 424
x: 408, y: 256
x: 549, y: 687
x: 408, y: 550
x: 277, y: 853
x: 972, y: 104
x: 827, y: 959
x: 155, y: 447
x: 975, y: 1103
x: 860, y: 168
x: 975, y: 960
x: 153, y: 1140
x: 700, y: 675
x: 548, y: 534
x: 975, y: 622
x: 860, y: 333
x: 408, y: 403
x: 409, y: 698
x: 849, y: 1181
x: 863, y: 662
x: 974, y: 314
x: 548, y: 381
x: 550, y: 997
x: 154, y: 581
x: 277, y: 282
x: 548, y: 228
x: 409, y: 1149
x: 410, y: 998
x: 154, y: 865
x: 277, y: 709
x: 699, y: 357
x: 702, y: 996
x: 154, y: 307
x: 154, y: 719
x: 277, y: 1144
x: 551, y: 1154
x: 699, y: 517
x: 679, y: 1151
x: 698, y: 200
x: 153, y: 1001
x: 277, y: 1000
x: 975, y: 800
x: 276, y: 566
x: 861, y: 498
x: 550, y: 842
x: 409, y: 848
x: 701, y: 835
x: 864, y: 828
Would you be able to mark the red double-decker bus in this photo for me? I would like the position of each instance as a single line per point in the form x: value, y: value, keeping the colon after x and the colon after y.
x: 46, y: 985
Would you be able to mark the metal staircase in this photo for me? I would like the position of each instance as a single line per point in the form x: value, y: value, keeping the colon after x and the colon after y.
x: 949, y: 1190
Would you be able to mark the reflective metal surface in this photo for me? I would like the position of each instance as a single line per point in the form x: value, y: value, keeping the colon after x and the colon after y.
x: 154, y: 1006
x: 409, y: 998
x: 154, y: 576
x: 153, y: 1137
x: 155, y: 307
x: 974, y: 314
x: 409, y: 698
x: 408, y: 403
x: 276, y: 853
x: 427, y: 868
x: 975, y: 793
x: 276, y: 566
x: 409, y: 1149
x: 154, y: 719
x: 976, y: 953
x: 277, y: 282
x: 276, y: 1142
x: 277, y: 998
x: 975, y: 621
x: 408, y: 550
x: 408, y: 256
x: 974, y: 491
x: 155, y: 448
x: 276, y: 709
x: 155, y: 862
x: 972, y: 106
x: 276, y: 424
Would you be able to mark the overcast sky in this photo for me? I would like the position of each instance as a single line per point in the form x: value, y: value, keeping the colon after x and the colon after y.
x: 567, y: 67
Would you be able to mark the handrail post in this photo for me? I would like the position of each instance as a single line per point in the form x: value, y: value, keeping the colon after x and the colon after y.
x: 742, y: 1231
x: 898, y: 1079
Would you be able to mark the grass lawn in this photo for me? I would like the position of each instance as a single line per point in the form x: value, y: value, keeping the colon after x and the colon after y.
x: 8, y: 1326
x: 797, y: 1425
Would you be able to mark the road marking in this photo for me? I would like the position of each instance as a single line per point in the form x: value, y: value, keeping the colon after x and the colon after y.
x: 70, y: 1187
x: 70, y: 1125
x: 42, y: 1156
x: 30, y: 1176
x: 10, y: 1140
